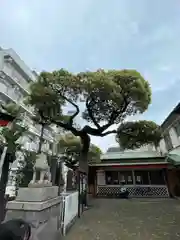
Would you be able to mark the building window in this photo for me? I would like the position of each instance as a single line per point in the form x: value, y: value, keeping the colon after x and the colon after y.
x: 168, y: 142
x: 117, y: 178
x: 112, y: 178
x: 142, y: 177
x: 152, y: 177
x: 126, y: 177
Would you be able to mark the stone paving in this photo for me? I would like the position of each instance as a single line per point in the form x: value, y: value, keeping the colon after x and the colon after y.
x: 137, y: 219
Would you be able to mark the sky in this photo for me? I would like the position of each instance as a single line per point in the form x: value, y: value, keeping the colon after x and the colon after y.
x: 89, y: 34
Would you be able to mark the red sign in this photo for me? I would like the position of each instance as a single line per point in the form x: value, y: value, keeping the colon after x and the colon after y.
x: 4, y: 123
x: 5, y: 119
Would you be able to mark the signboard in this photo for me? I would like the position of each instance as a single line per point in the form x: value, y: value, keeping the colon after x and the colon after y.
x: 5, y: 119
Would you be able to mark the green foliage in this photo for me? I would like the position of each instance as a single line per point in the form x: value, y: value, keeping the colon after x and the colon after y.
x: 25, y: 169
x: 109, y: 97
x: 12, y: 109
x: 94, y: 153
x: 70, y: 147
x: 68, y: 142
x: 123, y: 93
x: 132, y: 135
x: 44, y: 99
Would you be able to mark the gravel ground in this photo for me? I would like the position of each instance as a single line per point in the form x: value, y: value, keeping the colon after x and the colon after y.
x: 137, y: 219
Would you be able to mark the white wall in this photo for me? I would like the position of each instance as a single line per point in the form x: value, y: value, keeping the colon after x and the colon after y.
x: 162, y: 146
x: 174, y: 137
x: 101, y: 177
x: 1, y: 59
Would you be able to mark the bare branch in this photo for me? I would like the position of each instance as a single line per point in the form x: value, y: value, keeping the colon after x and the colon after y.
x: 72, y: 103
x: 108, y: 132
x: 114, y: 115
x: 66, y: 126
x: 88, y: 103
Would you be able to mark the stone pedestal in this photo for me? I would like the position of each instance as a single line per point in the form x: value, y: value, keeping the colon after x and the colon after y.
x: 37, y: 194
x: 40, y: 206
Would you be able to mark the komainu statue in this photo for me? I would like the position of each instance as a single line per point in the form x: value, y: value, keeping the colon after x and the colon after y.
x: 41, y: 166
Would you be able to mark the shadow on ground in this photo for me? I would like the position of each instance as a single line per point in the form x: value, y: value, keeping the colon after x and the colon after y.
x: 114, y: 219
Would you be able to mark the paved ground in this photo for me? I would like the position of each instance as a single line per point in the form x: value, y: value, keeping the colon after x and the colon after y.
x: 114, y: 219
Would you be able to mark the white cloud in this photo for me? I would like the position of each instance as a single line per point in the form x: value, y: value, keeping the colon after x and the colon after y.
x: 134, y: 28
x: 165, y: 68
x: 162, y: 33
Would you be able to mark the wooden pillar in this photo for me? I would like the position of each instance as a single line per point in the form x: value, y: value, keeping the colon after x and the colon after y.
x: 133, y: 175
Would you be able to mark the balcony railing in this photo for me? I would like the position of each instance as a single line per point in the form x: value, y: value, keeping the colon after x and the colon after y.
x: 16, y: 77
x: 12, y: 57
x: 9, y: 93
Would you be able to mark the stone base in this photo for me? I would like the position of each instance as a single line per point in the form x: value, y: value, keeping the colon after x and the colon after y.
x: 39, y: 185
x: 32, y: 206
x: 39, y: 194
x: 35, y: 212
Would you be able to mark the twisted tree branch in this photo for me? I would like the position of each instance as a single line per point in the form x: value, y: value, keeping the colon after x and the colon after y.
x: 114, y: 115
x: 66, y: 126
x: 88, y: 104
x: 72, y: 103
x: 108, y: 132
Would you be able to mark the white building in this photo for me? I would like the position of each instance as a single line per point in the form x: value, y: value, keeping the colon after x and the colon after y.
x: 15, y: 78
x: 171, y: 132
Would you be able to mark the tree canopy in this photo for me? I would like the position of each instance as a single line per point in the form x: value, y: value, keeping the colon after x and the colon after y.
x: 135, y: 134
x: 70, y: 148
x: 109, y: 98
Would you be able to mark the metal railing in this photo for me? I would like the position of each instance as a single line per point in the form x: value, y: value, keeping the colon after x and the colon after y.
x: 70, y: 210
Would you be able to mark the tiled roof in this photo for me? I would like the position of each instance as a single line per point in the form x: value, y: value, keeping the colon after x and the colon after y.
x: 114, y: 149
x: 174, y: 156
x: 130, y: 155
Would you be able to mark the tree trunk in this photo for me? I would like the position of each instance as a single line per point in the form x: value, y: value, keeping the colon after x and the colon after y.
x: 3, y: 183
x: 83, y: 162
x: 41, y: 138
